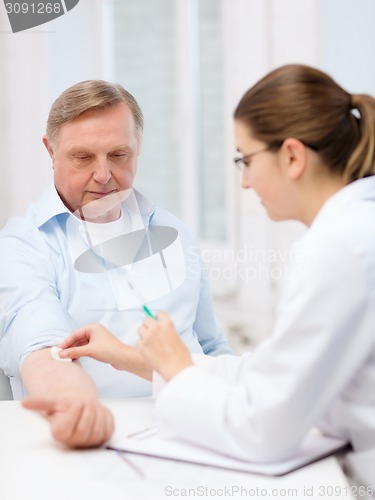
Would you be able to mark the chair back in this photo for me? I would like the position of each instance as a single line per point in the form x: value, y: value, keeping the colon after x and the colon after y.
x: 5, y: 389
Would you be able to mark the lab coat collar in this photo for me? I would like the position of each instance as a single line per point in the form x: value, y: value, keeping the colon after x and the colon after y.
x: 362, y: 189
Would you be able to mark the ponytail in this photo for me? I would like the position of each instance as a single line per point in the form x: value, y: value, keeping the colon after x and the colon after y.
x: 362, y: 160
x: 306, y: 103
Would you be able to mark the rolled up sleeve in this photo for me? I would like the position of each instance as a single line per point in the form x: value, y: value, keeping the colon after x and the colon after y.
x: 31, y: 315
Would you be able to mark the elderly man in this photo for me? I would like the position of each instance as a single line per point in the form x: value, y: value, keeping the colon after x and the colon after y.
x: 93, y: 249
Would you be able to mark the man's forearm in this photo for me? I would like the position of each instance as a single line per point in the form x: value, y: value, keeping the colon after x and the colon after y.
x: 67, y: 397
x: 47, y: 378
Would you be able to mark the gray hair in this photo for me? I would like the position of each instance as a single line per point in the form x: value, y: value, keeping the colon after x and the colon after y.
x: 90, y: 95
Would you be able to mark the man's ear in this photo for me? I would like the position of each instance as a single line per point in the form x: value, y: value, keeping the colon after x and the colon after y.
x: 294, y: 155
x: 48, y: 147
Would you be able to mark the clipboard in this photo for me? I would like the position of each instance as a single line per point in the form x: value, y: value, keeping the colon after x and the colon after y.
x: 313, y: 448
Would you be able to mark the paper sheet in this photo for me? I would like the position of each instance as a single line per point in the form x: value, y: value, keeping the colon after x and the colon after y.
x: 313, y: 448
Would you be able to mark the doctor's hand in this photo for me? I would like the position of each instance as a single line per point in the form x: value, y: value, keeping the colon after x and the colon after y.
x: 74, y: 422
x: 162, y: 347
x: 94, y: 341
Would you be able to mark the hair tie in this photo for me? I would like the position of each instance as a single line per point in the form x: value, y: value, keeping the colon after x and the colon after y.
x: 353, y: 109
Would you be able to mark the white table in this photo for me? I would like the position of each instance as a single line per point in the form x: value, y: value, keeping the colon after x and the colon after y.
x: 33, y: 467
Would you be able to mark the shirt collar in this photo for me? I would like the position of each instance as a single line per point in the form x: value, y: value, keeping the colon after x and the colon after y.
x: 51, y: 205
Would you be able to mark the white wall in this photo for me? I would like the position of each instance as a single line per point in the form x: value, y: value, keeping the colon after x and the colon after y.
x: 260, y: 37
x: 35, y: 66
x: 23, y: 164
x: 347, y: 44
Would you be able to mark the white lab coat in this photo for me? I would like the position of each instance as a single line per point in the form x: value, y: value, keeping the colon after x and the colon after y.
x: 318, y: 366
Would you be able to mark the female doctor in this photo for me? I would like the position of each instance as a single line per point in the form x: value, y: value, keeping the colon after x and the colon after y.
x: 308, y: 150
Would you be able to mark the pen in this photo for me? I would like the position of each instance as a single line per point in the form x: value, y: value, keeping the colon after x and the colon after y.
x: 144, y: 433
x: 148, y: 312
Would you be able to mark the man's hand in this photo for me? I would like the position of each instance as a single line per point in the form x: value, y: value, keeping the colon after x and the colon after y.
x: 75, y: 422
x: 68, y: 398
x: 162, y: 347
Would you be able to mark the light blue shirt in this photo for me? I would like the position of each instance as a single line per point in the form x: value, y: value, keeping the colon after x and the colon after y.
x: 43, y: 297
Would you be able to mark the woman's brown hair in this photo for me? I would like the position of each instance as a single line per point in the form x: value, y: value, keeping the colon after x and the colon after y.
x: 305, y: 103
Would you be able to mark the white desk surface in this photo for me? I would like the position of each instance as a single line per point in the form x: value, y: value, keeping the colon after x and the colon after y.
x: 33, y: 467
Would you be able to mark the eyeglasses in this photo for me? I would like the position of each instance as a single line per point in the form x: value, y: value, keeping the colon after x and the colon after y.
x: 243, y: 161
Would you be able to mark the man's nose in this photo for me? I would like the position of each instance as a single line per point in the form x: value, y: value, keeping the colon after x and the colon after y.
x: 102, y: 172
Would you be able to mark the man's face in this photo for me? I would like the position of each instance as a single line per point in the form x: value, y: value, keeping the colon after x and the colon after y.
x: 94, y: 156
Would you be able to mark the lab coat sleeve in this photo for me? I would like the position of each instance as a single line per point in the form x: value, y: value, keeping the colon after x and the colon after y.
x: 227, y: 367
x: 322, y: 335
